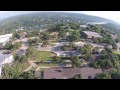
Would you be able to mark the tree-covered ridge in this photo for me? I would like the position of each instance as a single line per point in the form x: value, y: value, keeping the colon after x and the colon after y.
x: 43, y: 20
x: 112, y: 27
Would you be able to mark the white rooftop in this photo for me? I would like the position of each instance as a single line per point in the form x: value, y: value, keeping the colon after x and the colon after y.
x: 83, y: 26
x: 5, y: 38
x: 3, y: 57
x: 2, y: 40
x: 7, y: 35
x: 90, y: 33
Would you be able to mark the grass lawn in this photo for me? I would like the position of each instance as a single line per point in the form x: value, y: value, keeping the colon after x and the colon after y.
x: 115, y: 52
x: 44, y: 56
x: 70, y: 29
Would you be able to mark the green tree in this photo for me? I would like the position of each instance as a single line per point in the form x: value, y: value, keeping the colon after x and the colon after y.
x: 64, y: 48
x: 72, y: 46
x: 31, y: 53
x: 103, y: 76
x: 16, y: 46
x: 96, y: 40
x: 23, y: 59
x: 75, y: 61
x: 87, y: 55
x: 81, y: 50
x: 95, y: 50
x: 28, y: 75
x: 61, y: 34
x: 14, y: 71
x: 36, y: 41
x: 36, y: 33
x: 46, y: 43
x: 30, y: 42
x: 8, y: 46
x: 78, y: 76
x: 95, y: 65
x: 114, y: 46
x: 117, y: 40
x: 57, y: 59
x: 115, y: 73
x: 75, y: 36
x: 74, y: 26
x: 46, y: 36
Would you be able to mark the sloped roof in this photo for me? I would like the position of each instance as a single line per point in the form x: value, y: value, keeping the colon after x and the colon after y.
x: 52, y: 73
x: 65, y: 73
x: 89, y: 33
x: 7, y: 35
x: 86, y: 72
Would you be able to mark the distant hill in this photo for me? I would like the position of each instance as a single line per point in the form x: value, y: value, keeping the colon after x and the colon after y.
x: 44, y: 19
x: 114, y: 27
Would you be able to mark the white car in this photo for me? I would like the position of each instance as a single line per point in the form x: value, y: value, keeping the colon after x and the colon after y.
x: 63, y: 55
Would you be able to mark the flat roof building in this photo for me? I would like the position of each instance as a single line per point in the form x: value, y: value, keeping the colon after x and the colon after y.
x: 90, y: 34
x: 5, y: 38
x: 5, y: 59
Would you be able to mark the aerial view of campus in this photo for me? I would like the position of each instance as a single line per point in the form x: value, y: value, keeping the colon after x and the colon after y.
x: 59, y: 45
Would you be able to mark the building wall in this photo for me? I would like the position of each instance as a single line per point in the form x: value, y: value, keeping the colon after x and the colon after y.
x: 8, y: 60
x: 0, y: 70
x: 84, y: 35
x: 5, y: 38
x: 88, y: 36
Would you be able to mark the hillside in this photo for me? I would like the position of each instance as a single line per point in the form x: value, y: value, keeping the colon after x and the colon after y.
x: 112, y: 27
x: 42, y: 20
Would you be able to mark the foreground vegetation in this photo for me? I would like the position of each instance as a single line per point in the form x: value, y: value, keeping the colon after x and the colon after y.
x: 15, y: 71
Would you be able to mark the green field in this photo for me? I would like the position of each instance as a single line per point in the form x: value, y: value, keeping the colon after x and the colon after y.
x: 45, y: 56
x: 115, y: 52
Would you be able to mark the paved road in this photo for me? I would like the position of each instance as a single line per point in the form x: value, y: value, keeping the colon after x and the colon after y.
x: 23, y: 40
x: 32, y: 65
x: 57, y: 49
x: 44, y: 48
x: 24, y: 45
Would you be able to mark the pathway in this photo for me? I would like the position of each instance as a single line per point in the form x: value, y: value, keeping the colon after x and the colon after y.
x: 32, y: 65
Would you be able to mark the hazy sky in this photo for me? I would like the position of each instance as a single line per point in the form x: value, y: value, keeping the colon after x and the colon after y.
x: 113, y: 15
